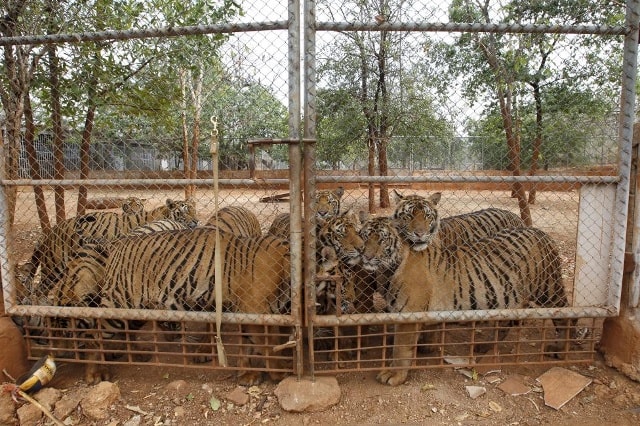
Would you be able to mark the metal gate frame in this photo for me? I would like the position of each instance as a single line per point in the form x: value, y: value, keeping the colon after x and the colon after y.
x: 620, y: 183
x: 301, y: 146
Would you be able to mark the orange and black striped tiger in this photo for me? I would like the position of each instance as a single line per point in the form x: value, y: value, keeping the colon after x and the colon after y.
x: 237, y: 220
x: 175, y: 270
x: 416, y: 222
x: 326, y: 204
x: 514, y: 268
x: 56, y: 247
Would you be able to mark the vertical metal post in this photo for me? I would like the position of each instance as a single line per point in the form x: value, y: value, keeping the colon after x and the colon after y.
x: 625, y: 138
x: 6, y: 273
x: 295, y: 176
x: 309, y: 169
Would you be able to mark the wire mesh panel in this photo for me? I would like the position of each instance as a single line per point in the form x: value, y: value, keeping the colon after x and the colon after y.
x: 119, y: 244
x: 458, y: 195
x: 490, y: 195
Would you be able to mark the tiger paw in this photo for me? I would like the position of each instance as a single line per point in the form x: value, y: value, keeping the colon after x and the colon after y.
x: 249, y: 378
x: 392, y: 377
x: 95, y: 374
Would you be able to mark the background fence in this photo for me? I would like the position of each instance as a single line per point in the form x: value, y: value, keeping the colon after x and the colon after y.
x: 516, y: 107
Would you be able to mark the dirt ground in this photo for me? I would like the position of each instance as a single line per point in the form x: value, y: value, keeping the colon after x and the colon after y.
x: 157, y: 396
x: 149, y: 395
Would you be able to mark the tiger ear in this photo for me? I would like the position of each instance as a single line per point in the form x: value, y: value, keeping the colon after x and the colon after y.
x: 339, y: 191
x: 170, y: 203
x: 397, y: 197
x: 435, y: 198
x: 363, y: 215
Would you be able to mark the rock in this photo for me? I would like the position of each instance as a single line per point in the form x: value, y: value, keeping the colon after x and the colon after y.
x: 68, y: 403
x: 7, y: 410
x: 475, y: 391
x: 99, y: 398
x: 13, y: 356
x: 177, y: 387
x: 29, y: 415
x: 133, y: 421
x: 48, y: 397
x: 306, y: 395
x: 238, y: 396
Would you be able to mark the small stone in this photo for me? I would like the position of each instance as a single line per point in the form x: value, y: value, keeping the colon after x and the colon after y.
x: 307, y: 395
x: 475, y: 391
x: 133, y: 421
x: 7, y: 409
x: 68, y: 403
x: 99, y: 399
x: 29, y: 415
x: 177, y: 387
x: 238, y: 396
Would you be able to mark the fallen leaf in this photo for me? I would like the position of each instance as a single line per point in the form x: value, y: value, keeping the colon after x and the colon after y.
x: 214, y: 403
x: 495, y: 407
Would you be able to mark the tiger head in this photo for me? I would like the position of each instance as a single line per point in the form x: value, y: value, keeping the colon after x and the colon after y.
x: 417, y: 219
x: 382, y: 244
x: 133, y: 205
x: 183, y: 211
x: 327, y: 204
x: 340, y: 233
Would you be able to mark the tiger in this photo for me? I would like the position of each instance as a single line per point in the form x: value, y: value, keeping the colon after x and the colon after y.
x: 281, y: 226
x: 416, y: 226
x: 53, y: 251
x: 175, y: 270
x: 416, y: 230
x: 158, y: 226
x: 326, y: 205
x: 514, y: 268
x: 237, y: 220
x: 85, y: 268
x: 337, y: 252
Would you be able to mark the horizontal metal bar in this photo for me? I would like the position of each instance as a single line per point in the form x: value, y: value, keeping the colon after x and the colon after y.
x: 148, y: 314
x: 469, y: 178
x: 459, y: 316
x: 471, y: 27
x: 139, y: 182
x: 144, y: 33
x: 319, y: 178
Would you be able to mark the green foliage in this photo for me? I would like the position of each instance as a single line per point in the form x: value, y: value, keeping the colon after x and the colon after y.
x: 575, y: 132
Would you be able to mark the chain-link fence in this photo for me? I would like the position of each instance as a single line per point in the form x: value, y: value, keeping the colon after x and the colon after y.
x: 280, y: 144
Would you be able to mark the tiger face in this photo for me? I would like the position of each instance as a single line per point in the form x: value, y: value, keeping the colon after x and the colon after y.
x: 133, y: 205
x: 417, y: 219
x: 340, y: 233
x: 182, y: 211
x: 327, y: 203
x: 382, y: 245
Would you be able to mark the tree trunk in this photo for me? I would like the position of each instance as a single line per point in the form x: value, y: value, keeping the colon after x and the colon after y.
x: 34, y: 166
x: 537, y: 142
x: 371, y: 169
x: 186, y: 160
x: 85, y: 153
x: 513, y: 145
x: 58, y: 136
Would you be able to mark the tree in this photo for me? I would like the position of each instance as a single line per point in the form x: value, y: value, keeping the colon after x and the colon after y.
x: 371, y: 68
x: 501, y: 66
x: 18, y: 17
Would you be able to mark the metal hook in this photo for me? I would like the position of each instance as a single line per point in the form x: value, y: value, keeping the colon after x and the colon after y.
x: 214, y: 122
